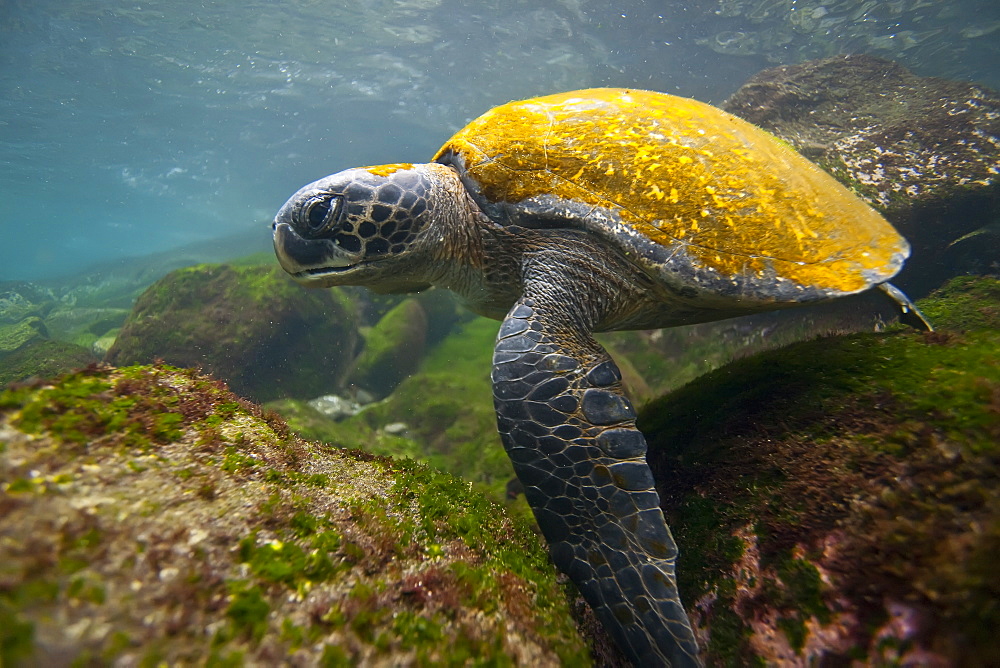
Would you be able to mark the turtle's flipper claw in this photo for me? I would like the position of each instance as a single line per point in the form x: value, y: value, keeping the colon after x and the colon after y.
x: 571, y: 435
x: 909, y: 313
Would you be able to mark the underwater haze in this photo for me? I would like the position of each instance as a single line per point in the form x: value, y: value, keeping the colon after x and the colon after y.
x: 129, y: 128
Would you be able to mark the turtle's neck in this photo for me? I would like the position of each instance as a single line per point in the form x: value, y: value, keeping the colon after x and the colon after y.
x: 468, y: 253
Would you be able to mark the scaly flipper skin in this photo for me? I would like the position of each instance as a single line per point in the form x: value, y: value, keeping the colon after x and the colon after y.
x: 570, y: 433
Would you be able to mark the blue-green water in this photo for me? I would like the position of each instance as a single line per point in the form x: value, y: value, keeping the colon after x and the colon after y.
x: 129, y: 128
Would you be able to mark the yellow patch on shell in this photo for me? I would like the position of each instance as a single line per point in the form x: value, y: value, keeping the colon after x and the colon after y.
x: 386, y: 170
x: 681, y: 172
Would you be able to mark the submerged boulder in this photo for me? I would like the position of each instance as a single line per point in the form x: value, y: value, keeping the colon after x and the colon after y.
x: 43, y: 359
x: 248, y: 325
x: 21, y: 334
x: 21, y: 299
x: 394, y: 348
x: 442, y: 414
x: 839, y: 500
x: 150, y: 516
x: 83, y: 325
x: 923, y: 151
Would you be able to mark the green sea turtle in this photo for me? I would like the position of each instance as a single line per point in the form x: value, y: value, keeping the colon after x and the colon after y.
x: 584, y: 212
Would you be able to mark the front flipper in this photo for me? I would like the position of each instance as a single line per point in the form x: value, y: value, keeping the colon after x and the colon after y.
x: 570, y: 433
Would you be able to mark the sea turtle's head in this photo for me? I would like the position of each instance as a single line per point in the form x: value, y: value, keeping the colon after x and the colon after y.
x: 365, y: 226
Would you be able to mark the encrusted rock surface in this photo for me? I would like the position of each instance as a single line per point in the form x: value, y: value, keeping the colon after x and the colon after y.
x: 838, y: 500
x: 150, y: 516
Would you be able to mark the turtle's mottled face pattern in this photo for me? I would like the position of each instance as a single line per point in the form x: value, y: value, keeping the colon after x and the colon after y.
x: 333, y: 228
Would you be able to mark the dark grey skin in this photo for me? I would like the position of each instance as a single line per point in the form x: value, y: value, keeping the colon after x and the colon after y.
x: 562, y: 414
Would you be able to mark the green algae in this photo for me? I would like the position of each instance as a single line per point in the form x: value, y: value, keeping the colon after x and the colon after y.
x: 16, y: 635
x: 800, y: 598
x: 251, y: 326
x: 702, y: 521
x: 801, y: 380
x: 13, y: 337
x: 288, y: 544
x: 965, y: 303
x: 864, y: 470
x: 248, y: 611
x: 447, y: 407
x: 43, y: 359
x: 291, y: 563
x: 139, y: 410
x: 393, y: 348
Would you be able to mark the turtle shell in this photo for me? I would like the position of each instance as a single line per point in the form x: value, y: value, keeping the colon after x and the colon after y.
x: 699, y: 198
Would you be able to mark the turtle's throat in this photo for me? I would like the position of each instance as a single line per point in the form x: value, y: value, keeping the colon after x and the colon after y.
x: 456, y: 237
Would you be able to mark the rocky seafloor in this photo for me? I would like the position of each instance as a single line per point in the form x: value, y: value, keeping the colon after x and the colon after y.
x: 151, y: 516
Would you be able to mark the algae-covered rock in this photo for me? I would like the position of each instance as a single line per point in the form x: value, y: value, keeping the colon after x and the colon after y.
x: 966, y: 303
x: 440, y: 307
x: 441, y: 415
x: 839, y: 500
x: 924, y: 151
x: 43, y: 359
x: 248, y: 325
x: 152, y: 517
x: 21, y: 299
x: 16, y: 336
x: 83, y: 325
x: 102, y: 344
x: 394, y: 348
x: 446, y: 407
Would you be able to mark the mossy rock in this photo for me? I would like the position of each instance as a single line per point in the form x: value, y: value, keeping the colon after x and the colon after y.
x: 21, y: 334
x: 251, y: 326
x: 447, y: 407
x: 103, y: 344
x: 394, y: 348
x: 150, y: 517
x: 440, y: 305
x: 839, y: 500
x: 966, y: 303
x: 81, y: 325
x: 21, y: 299
x: 43, y: 359
x: 305, y: 420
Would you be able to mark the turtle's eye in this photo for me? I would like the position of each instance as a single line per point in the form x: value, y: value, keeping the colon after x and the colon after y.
x: 321, y: 214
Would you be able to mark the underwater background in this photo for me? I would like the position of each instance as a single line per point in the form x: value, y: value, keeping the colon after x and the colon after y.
x: 133, y: 127
x: 202, y: 462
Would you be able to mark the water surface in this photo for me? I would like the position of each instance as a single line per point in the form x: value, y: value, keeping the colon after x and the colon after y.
x: 132, y: 127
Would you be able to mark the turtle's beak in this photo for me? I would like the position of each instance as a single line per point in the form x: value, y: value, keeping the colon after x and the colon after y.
x: 308, y: 260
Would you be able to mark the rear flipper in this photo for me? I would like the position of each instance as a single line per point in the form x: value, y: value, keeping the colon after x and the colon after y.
x: 909, y: 313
